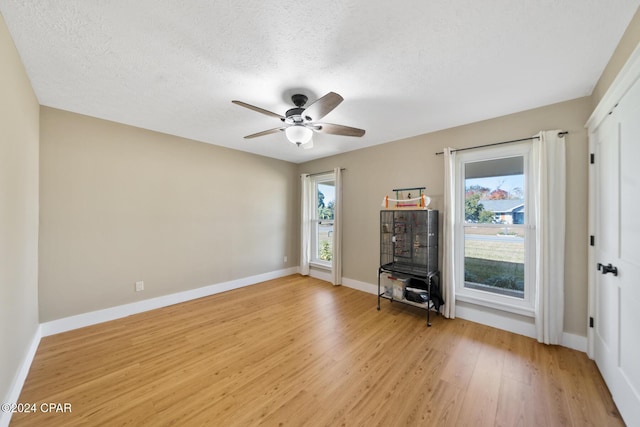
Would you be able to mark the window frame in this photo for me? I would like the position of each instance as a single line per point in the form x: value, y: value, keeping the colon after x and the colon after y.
x: 315, y: 260
x: 523, y: 306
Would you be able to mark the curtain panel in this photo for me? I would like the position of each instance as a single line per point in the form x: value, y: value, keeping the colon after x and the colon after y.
x: 305, y: 223
x: 550, y: 208
x: 448, y: 251
x: 336, y: 262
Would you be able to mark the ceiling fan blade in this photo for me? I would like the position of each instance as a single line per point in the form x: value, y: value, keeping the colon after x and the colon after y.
x: 323, y: 106
x: 265, y: 132
x: 258, y: 109
x: 337, y: 129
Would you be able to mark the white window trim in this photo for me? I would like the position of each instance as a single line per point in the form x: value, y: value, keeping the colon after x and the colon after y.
x: 315, y: 261
x: 315, y: 222
x: 523, y: 306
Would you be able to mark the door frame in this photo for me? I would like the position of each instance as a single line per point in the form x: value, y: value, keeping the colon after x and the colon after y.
x: 626, y: 78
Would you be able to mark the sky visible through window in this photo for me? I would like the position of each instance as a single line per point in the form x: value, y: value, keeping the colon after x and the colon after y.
x: 329, y: 192
x: 506, y: 183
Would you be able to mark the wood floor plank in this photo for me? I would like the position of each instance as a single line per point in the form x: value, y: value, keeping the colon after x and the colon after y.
x: 479, y: 406
x: 298, y: 351
x: 517, y: 405
x: 580, y: 380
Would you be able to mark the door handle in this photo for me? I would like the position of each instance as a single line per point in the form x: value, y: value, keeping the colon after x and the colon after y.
x: 608, y: 269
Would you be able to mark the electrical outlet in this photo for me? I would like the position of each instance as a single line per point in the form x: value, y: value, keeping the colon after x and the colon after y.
x: 285, y: 258
x: 139, y: 286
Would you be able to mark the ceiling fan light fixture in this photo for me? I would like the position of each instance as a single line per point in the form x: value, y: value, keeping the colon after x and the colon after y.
x: 298, y: 134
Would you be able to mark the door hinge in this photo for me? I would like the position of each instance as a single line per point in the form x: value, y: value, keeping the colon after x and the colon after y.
x: 592, y: 158
x: 592, y: 240
x: 591, y: 322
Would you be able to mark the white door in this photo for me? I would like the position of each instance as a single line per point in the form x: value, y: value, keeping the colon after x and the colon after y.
x: 617, y: 292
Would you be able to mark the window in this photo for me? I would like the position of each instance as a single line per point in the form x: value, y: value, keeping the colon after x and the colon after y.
x: 495, y: 233
x: 322, y: 220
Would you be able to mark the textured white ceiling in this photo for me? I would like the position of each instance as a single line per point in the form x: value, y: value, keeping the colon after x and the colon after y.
x: 404, y: 68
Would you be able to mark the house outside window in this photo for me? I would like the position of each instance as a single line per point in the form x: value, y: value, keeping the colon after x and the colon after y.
x: 495, y: 255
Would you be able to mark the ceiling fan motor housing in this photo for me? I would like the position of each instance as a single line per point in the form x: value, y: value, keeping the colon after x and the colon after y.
x: 294, y: 115
x: 299, y: 99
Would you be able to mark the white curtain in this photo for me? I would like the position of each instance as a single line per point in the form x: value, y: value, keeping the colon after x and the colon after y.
x: 549, y: 165
x: 448, y: 280
x: 336, y: 263
x: 305, y: 223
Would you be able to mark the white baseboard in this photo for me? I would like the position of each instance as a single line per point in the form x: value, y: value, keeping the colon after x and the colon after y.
x: 360, y: 286
x: 517, y: 326
x: 321, y: 274
x: 21, y: 375
x: 506, y: 322
x: 112, y: 313
x: 575, y: 342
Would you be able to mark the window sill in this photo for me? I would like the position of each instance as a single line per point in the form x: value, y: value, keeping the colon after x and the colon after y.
x: 497, y: 305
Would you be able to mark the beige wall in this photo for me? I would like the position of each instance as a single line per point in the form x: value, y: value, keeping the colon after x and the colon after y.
x: 373, y: 172
x: 627, y: 44
x: 121, y: 204
x: 18, y: 213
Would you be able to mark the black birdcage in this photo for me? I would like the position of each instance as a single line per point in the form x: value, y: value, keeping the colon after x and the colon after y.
x: 409, y: 241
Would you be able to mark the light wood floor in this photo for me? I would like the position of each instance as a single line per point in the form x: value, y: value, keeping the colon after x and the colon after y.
x: 297, y: 351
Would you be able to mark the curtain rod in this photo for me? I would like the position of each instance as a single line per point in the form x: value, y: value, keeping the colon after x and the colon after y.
x: 322, y: 173
x: 560, y: 134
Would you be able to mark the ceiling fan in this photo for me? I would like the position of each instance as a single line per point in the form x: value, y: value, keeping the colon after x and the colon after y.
x: 299, y: 122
